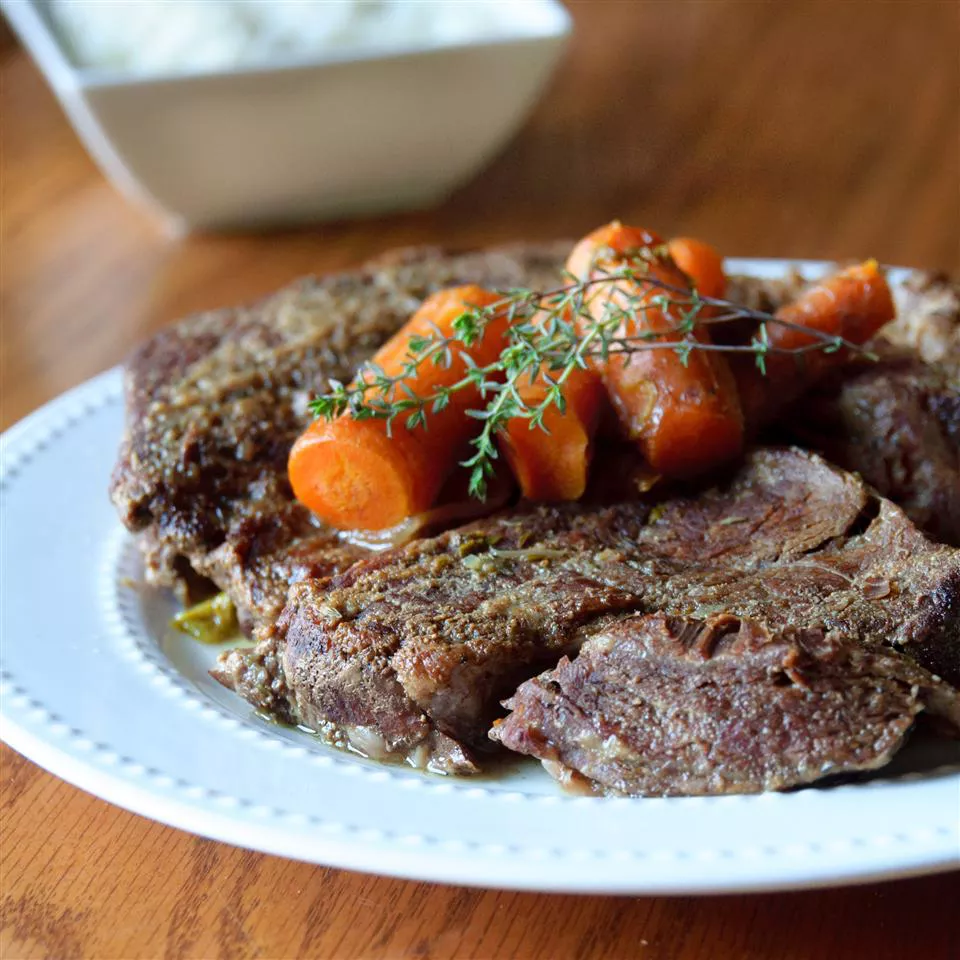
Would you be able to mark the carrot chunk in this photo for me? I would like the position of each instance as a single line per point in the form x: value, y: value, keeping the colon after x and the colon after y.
x: 852, y: 304
x: 354, y: 476
x: 553, y: 464
x: 701, y: 263
x: 685, y: 416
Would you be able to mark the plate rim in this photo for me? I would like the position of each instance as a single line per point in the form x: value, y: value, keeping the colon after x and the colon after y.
x: 417, y: 866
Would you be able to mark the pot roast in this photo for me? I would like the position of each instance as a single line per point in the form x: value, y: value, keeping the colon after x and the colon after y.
x: 789, y: 597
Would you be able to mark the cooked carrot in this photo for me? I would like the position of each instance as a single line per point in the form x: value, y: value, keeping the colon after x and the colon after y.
x: 604, y: 245
x: 701, y: 263
x: 553, y: 465
x: 355, y: 477
x: 853, y: 304
x: 685, y: 416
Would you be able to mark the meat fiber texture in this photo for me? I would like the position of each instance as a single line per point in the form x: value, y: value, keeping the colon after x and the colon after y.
x: 424, y: 641
x: 660, y: 706
x: 897, y: 424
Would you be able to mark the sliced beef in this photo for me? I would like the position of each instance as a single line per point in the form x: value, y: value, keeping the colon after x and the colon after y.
x: 431, y: 636
x: 264, y: 552
x: 897, y: 423
x: 428, y: 638
x: 215, y: 402
x: 660, y: 706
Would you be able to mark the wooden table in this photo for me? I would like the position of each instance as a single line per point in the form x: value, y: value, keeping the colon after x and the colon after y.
x: 783, y: 129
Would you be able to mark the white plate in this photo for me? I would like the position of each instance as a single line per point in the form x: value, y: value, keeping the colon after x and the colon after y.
x: 96, y: 691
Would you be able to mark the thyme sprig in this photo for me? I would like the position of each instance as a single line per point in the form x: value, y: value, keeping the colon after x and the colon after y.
x: 552, y: 334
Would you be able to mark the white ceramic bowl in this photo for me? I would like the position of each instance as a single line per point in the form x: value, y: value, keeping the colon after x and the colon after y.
x: 297, y: 142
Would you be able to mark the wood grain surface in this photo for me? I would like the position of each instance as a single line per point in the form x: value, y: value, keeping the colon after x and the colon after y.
x: 787, y: 129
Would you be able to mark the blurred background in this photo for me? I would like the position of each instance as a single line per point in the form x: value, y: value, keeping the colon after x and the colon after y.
x: 788, y: 129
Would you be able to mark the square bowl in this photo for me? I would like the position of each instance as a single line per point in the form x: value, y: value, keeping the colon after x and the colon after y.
x: 334, y: 135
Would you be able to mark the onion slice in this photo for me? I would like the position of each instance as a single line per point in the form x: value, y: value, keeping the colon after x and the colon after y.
x: 442, y: 517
